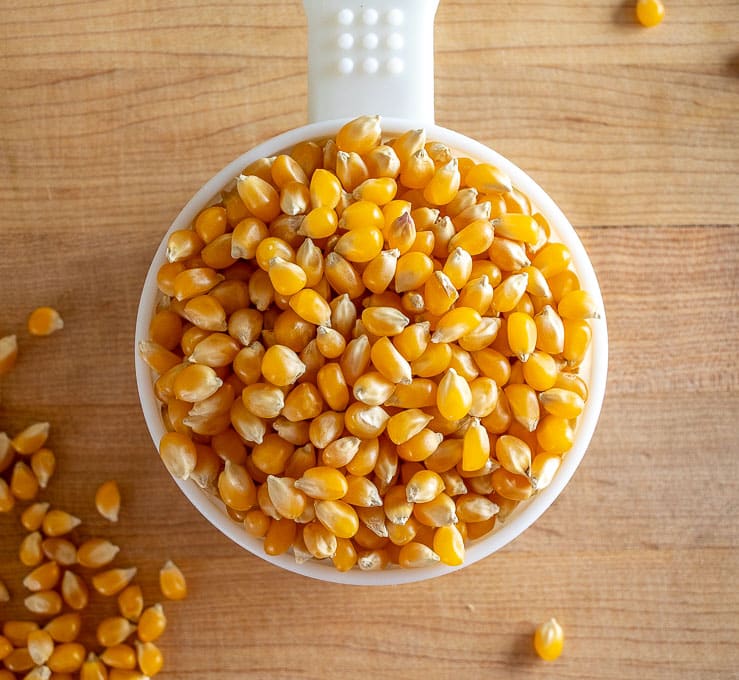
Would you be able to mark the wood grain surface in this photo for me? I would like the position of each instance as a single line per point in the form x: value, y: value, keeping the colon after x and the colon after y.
x: 113, y: 113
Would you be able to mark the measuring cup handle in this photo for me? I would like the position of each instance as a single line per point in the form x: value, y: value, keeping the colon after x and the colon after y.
x: 371, y: 57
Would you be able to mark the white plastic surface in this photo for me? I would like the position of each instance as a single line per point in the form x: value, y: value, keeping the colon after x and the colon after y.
x: 371, y: 56
x: 594, y: 370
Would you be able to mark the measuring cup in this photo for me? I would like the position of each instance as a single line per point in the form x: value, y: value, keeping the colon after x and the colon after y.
x: 366, y: 58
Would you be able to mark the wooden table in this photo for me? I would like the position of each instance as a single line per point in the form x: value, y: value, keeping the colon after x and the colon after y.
x: 113, y: 113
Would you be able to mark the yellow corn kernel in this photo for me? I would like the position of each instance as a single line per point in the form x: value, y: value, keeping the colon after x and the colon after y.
x: 444, y: 184
x: 288, y: 500
x: 552, y: 259
x: 361, y: 244
x: 487, y: 179
x: 319, y: 541
x: 508, y: 294
x: 448, y: 544
x: 8, y: 353
x: 345, y: 555
x: 256, y: 523
x: 572, y: 382
x: 217, y: 254
x: 44, y: 577
x: 7, y: 452
x: 7, y: 499
x: 331, y: 344
x: 561, y: 402
x: 195, y: 281
x: 332, y: 384
x: 291, y: 330
x: 577, y: 337
x: 563, y: 283
x: 391, y: 364
x: 458, y: 267
x: 340, y: 452
x: 521, y: 330
x: 420, y: 446
x: 406, y: 424
x: 482, y: 335
x: 44, y: 321
x: 246, y: 237
x: 513, y: 454
x: 325, y: 429
x: 419, y: 393
x: 17, y: 632
x: 524, y: 405
x: 259, y: 196
x: 577, y: 304
x: 114, y: 631
x: 439, y: 293
x: 365, y: 459
x: 384, y: 321
x: 439, y: 512
x: 511, y: 486
x: 418, y: 170
x: 540, y: 371
x: 351, y: 170
x: 413, y: 270
x: 475, y: 447
x: 323, y: 483
x: 40, y: 646
x: 649, y: 13
x: 309, y: 305
x: 396, y: 505
x: 211, y: 223
x: 196, y: 382
x: 379, y: 190
x: 172, y: 581
x: 308, y: 155
x: 338, y: 517
x: 555, y: 434
x: 372, y: 532
x: 149, y: 657
x: 96, y: 552
x: 320, y: 222
x: 166, y: 276
x: 362, y: 214
x: 23, y: 482
x: 454, y: 482
x: 64, y: 628
x: 414, y: 555
x: 373, y: 388
x: 434, y: 361
x: 456, y: 324
x: 31, y: 439
x: 131, y: 602
x: 58, y: 523
x: 373, y: 560
x: 32, y: 517
x: 310, y: 258
x: 365, y: 422
x: 518, y: 227
x: 30, y: 552
x: 43, y: 464
x: 379, y: 272
x: 303, y: 402
x: 112, y: 581
x: 549, y: 637
x: 424, y: 486
x: 281, y: 366
x: 286, y: 169
x: 475, y: 238
x: 93, y: 669
x: 477, y: 294
x: 343, y: 277
x: 359, y: 135
x: 454, y: 397
x: 236, y: 487
x: 362, y: 492
x: 263, y: 400
x: 543, y: 469
x: 550, y: 331
x: 120, y: 656
x: 206, y: 312
x: 44, y: 602
x: 473, y: 507
x: 178, y: 453
x: 18, y: 661
x: 152, y: 623
x: 74, y: 590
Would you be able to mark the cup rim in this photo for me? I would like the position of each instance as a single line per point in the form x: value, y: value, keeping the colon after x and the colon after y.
x: 528, y: 511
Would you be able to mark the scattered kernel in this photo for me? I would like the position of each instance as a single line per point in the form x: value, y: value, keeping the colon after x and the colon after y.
x: 44, y: 321
x: 549, y: 640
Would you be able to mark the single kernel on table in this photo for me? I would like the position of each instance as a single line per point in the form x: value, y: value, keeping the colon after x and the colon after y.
x: 650, y: 12
x: 549, y: 640
x: 44, y: 321
x: 172, y: 582
x: 108, y: 500
x: 8, y: 353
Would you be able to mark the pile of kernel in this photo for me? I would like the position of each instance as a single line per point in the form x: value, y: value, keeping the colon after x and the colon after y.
x: 369, y: 350
x: 62, y: 569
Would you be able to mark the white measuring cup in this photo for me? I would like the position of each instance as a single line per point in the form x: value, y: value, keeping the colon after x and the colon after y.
x: 366, y: 58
